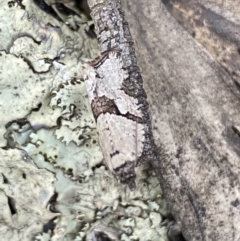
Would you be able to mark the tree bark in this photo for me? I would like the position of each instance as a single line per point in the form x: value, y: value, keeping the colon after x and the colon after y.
x: 194, y: 105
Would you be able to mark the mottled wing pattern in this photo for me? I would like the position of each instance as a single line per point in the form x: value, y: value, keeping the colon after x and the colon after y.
x: 118, y: 116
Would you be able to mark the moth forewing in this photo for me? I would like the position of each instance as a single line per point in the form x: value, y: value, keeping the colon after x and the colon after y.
x: 118, y: 116
x: 122, y: 142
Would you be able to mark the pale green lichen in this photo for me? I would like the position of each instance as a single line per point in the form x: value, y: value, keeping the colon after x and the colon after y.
x: 43, y: 55
x: 25, y: 192
x: 75, y: 161
x: 99, y: 202
x: 77, y: 122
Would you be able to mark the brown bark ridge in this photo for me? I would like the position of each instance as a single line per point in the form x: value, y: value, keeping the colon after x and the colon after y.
x: 194, y: 103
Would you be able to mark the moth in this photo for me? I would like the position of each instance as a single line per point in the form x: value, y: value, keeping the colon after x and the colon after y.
x: 118, y: 116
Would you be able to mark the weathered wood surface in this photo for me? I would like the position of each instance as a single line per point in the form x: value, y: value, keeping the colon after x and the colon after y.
x: 194, y: 105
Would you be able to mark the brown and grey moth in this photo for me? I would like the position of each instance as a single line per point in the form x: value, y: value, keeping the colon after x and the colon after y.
x: 118, y: 99
x: 118, y: 116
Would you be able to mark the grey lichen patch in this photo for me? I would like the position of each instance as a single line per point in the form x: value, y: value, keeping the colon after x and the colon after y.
x: 43, y: 237
x: 100, y: 206
x: 21, y: 90
x: 44, y: 56
x: 77, y: 122
x: 27, y: 90
x: 33, y: 23
x: 75, y: 161
x: 25, y: 192
x: 18, y: 133
x: 9, y: 20
x: 27, y: 48
x: 43, y: 116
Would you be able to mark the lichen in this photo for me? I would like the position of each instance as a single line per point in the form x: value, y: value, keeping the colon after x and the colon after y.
x: 25, y: 192
x: 77, y: 122
x: 101, y: 204
x: 44, y: 56
x: 75, y: 161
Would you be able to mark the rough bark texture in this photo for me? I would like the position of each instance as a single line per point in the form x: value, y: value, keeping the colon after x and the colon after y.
x: 194, y: 103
